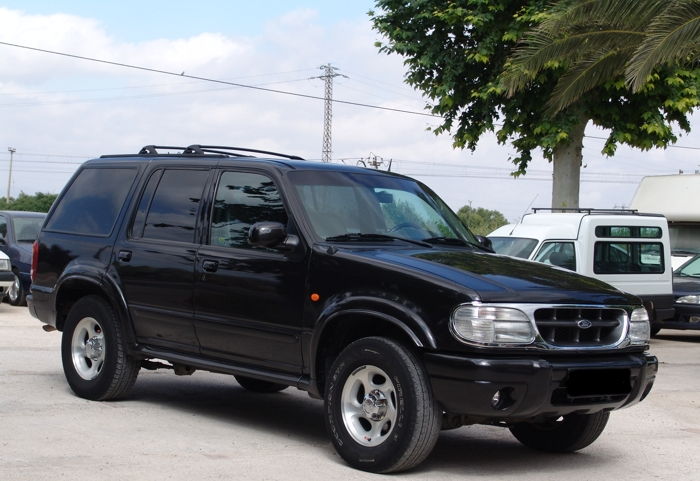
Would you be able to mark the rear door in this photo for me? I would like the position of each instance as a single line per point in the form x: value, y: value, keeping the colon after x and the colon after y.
x: 155, y: 258
x: 249, y: 300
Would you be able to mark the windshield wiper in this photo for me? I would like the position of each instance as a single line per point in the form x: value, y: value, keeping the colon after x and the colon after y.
x: 360, y: 237
x: 454, y: 241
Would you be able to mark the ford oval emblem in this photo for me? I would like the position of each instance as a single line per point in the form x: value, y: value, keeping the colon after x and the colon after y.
x: 584, y: 323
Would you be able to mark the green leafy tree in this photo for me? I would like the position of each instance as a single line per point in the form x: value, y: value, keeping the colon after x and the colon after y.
x: 481, y: 221
x: 458, y: 53
x: 39, y: 202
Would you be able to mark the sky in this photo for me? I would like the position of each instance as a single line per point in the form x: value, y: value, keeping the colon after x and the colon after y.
x: 59, y: 111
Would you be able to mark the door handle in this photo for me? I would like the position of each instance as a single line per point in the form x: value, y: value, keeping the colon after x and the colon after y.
x: 210, y: 266
x: 124, y: 256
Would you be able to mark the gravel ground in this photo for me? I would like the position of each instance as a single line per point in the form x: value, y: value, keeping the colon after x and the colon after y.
x: 206, y: 427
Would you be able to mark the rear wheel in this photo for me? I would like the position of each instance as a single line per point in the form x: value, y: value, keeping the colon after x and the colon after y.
x: 380, y: 410
x: 565, y: 434
x: 258, y: 385
x: 93, y: 351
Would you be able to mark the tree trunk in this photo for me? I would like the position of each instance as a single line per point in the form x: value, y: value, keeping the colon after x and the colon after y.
x: 566, y: 175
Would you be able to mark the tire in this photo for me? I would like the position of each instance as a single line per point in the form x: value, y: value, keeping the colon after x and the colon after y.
x: 16, y: 295
x: 567, y: 434
x: 260, y: 386
x: 655, y: 328
x: 93, y: 351
x: 393, y: 426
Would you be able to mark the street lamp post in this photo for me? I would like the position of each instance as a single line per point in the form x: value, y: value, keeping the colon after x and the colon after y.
x: 12, y: 151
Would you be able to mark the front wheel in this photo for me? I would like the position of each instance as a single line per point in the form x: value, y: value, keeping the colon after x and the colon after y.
x: 93, y: 351
x: 16, y: 295
x: 380, y: 410
x: 563, y: 435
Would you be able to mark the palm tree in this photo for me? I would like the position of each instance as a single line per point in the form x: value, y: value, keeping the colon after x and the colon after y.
x: 597, y: 41
x: 673, y: 35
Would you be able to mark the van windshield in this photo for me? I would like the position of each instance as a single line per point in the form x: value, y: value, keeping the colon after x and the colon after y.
x: 349, y: 206
x: 513, y: 246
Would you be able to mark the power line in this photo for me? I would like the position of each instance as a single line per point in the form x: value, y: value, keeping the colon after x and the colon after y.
x: 262, y: 89
x: 223, y: 82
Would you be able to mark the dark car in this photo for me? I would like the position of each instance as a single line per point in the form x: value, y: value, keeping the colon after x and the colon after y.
x: 686, y: 289
x: 358, y: 286
x: 18, y: 230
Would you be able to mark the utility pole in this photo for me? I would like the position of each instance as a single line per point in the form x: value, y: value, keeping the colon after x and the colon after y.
x: 329, y: 73
x: 12, y: 151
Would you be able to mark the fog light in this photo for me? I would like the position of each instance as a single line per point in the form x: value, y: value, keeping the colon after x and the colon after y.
x: 502, y: 399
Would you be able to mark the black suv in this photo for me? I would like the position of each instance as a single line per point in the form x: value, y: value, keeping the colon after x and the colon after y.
x: 358, y: 286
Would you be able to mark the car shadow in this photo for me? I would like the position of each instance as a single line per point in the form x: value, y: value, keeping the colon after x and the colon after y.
x: 485, y: 450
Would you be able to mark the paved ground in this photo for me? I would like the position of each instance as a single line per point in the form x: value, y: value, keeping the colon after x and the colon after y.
x: 206, y: 427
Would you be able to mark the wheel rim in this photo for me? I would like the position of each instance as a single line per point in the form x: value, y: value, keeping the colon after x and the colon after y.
x: 13, y: 290
x: 88, y: 348
x: 368, y: 404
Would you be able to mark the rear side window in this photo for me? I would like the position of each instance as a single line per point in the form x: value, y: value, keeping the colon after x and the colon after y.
x: 628, y: 258
x: 172, y: 212
x: 628, y: 231
x: 92, y: 202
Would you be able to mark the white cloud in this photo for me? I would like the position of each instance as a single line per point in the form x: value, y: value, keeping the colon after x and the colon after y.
x: 44, y: 112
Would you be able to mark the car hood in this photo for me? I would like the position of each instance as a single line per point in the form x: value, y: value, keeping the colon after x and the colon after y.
x: 684, y: 286
x: 498, y: 278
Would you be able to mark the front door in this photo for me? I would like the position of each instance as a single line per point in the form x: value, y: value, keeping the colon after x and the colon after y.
x: 248, y: 300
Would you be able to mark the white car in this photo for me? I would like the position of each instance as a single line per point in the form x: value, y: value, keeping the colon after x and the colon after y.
x: 6, y: 275
x: 628, y: 250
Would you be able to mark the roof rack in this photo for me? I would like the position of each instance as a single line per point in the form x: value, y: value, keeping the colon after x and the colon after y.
x: 197, y: 149
x: 585, y: 210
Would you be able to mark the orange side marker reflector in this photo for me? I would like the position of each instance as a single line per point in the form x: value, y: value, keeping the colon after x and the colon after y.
x: 315, y: 297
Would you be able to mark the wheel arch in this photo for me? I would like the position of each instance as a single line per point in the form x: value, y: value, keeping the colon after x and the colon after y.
x: 356, y: 318
x: 76, y: 286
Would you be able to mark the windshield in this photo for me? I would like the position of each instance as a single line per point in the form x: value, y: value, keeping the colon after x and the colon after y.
x: 27, y: 228
x: 339, y: 204
x: 513, y: 246
x: 690, y: 268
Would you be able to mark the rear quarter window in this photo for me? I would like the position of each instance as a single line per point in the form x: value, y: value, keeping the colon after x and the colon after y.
x: 92, y: 202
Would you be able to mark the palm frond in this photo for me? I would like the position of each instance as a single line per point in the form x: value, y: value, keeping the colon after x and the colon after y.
x: 618, y: 13
x: 672, y: 35
x: 542, y: 50
x: 586, y: 75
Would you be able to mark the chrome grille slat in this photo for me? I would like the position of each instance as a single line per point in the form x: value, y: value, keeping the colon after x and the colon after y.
x: 580, y: 327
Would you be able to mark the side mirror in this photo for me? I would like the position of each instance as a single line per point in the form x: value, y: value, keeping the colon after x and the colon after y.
x: 271, y: 234
x: 485, y: 242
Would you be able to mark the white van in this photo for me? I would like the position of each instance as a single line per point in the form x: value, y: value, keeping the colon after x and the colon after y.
x: 624, y: 248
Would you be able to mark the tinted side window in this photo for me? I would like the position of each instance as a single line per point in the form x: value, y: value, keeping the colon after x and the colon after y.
x: 628, y: 258
x: 242, y: 199
x: 173, y: 211
x: 93, y: 201
x: 560, y: 254
x: 3, y: 226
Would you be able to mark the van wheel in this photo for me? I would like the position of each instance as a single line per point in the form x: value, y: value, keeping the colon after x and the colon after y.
x: 258, y: 385
x: 93, y: 351
x: 563, y: 435
x: 380, y: 410
x: 655, y: 328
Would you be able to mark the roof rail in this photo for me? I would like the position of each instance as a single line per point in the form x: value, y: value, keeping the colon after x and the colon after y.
x: 153, y: 149
x: 585, y: 210
x: 197, y: 149
x: 221, y: 149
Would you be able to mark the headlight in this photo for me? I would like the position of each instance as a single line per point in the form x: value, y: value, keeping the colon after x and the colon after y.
x: 492, y: 325
x: 639, y: 326
x: 689, y: 299
x: 4, y: 265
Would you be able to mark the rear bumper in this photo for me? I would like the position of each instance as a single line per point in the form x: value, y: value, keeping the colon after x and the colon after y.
x: 537, y: 388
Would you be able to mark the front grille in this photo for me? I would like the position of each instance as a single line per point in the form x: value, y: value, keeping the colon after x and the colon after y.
x: 580, y: 327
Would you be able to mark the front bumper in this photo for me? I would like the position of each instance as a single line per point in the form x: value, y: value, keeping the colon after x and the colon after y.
x: 533, y: 388
x: 7, y: 278
x: 687, y: 317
